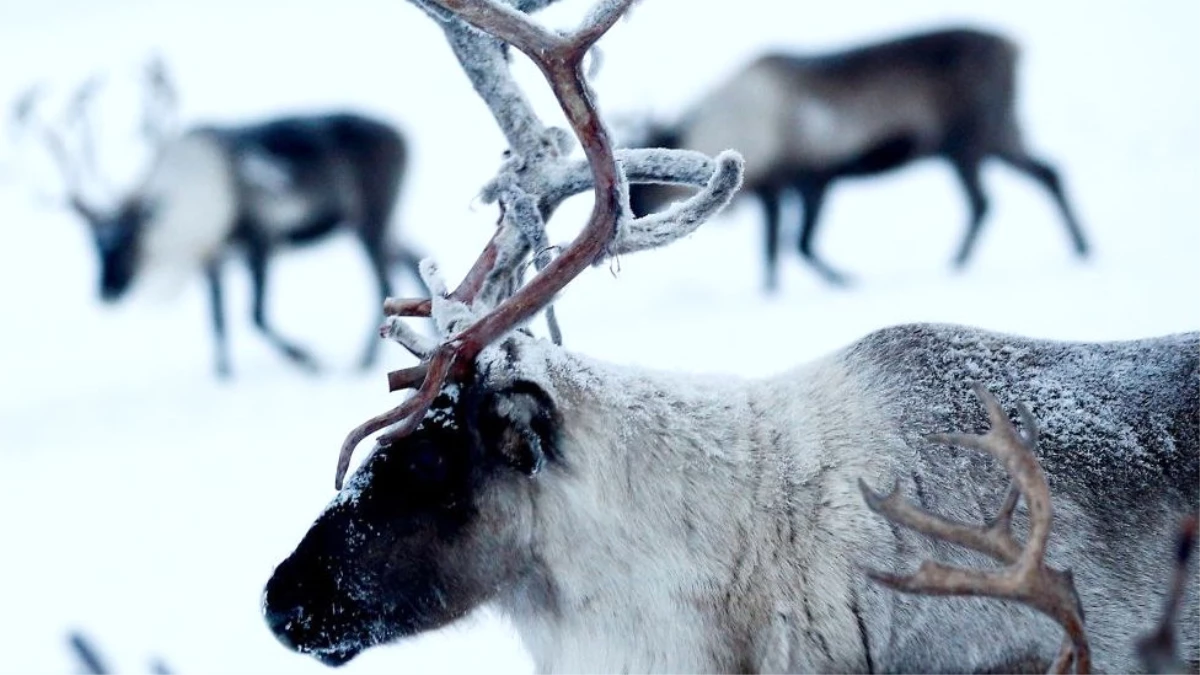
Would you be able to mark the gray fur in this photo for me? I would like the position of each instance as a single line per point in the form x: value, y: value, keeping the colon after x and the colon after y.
x: 806, y: 121
x: 700, y: 524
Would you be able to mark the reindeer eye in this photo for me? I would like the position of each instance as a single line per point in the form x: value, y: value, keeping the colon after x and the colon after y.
x: 427, y: 463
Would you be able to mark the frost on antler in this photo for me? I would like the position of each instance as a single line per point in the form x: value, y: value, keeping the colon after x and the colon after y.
x: 535, y: 177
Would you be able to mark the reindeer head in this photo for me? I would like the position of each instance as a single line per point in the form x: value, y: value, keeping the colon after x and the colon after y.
x: 439, y: 519
x: 117, y: 236
x: 430, y: 527
x: 116, y: 230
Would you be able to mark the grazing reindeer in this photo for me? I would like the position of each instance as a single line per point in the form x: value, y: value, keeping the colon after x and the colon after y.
x: 635, y: 521
x: 256, y: 188
x: 804, y: 122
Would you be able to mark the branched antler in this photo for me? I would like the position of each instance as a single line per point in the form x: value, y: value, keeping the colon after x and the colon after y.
x: 1026, y: 579
x: 1157, y: 649
x: 67, y: 138
x: 534, y: 179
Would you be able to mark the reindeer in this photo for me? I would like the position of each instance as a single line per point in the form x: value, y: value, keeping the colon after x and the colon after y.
x: 805, y: 122
x: 636, y: 521
x: 211, y: 190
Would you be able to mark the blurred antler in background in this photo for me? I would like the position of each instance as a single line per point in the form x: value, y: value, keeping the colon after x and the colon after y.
x: 533, y: 180
x: 68, y: 138
x: 91, y: 662
x: 160, y: 104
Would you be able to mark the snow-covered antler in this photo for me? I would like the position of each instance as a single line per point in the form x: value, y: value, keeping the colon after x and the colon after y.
x: 534, y: 179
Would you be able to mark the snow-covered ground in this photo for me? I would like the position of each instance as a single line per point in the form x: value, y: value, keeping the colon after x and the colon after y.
x: 145, y: 503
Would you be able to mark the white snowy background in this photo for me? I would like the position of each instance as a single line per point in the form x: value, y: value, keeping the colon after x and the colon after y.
x: 145, y: 503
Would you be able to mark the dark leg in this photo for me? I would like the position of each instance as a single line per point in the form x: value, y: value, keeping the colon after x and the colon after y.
x: 813, y: 196
x: 411, y: 261
x: 216, y: 301
x: 769, y: 198
x: 968, y: 173
x: 257, y: 259
x: 375, y: 258
x: 1048, y: 177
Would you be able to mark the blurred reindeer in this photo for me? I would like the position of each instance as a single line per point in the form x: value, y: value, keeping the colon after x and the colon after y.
x: 804, y: 122
x: 211, y: 189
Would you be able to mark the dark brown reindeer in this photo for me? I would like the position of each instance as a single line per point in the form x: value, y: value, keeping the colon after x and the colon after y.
x: 210, y: 191
x: 806, y: 122
x: 638, y: 521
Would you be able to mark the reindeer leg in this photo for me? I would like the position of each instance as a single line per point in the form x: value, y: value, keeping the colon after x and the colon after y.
x: 967, y: 169
x: 411, y: 261
x: 216, y: 299
x: 768, y: 196
x: 1045, y: 174
x: 257, y: 260
x: 812, y: 193
x: 379, y: 268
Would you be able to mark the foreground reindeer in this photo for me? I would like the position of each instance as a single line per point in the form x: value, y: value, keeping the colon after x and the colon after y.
x: 805, y: 122
x: 253, y: 188
x: 634, y: 521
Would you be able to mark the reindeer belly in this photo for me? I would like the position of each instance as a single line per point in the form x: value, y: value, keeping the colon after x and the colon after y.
x: 828, y: 134
x: 283, y: 205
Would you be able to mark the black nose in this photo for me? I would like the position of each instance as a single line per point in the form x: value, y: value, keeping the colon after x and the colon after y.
x: 283, y: 605
x: 283, y: 622
x: 335, y: 659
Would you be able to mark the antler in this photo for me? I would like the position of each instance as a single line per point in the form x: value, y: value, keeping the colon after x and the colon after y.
x: 1157, y: 649
x: 160, y: 104
x: 534, y: 179
x: 27, y: 118
x: 1026, y: 579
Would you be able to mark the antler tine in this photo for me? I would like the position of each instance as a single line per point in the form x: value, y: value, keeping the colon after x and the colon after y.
x: 1026, y: 579
x: 161, y: 101
x: 560, y: 60
x: 536, y: 164
x: 79, y: 115
x: 412, y: 411
x: 26, y: 118
x: 24, y: 106
x: 1157, y: 649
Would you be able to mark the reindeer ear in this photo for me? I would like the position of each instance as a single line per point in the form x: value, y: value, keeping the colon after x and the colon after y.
x: 520, y: 425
